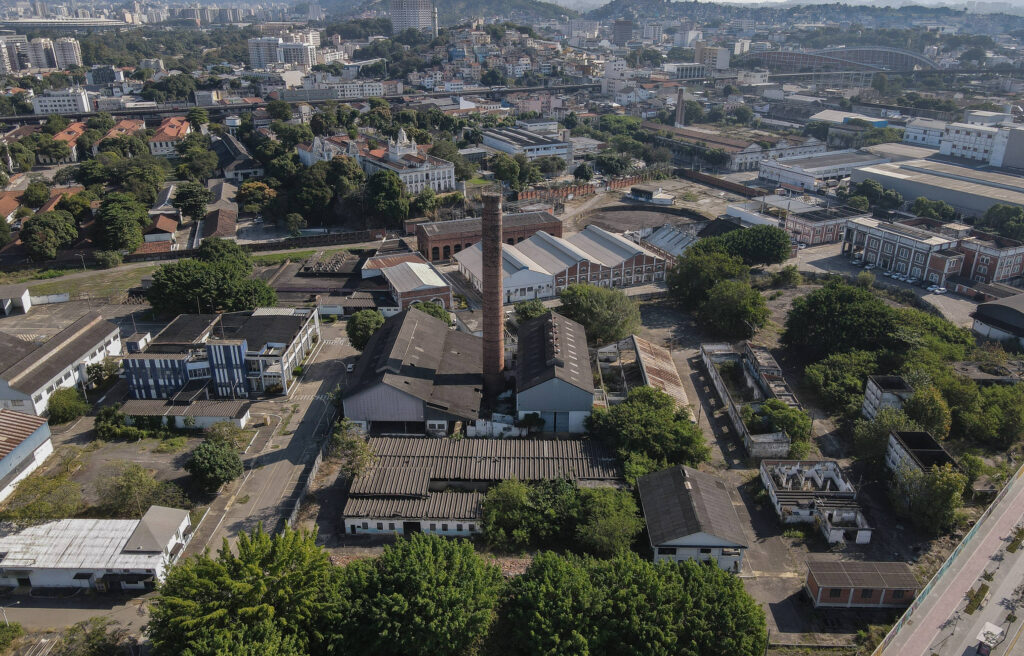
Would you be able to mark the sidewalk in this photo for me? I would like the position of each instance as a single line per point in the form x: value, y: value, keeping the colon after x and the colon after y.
x: 925, y: 630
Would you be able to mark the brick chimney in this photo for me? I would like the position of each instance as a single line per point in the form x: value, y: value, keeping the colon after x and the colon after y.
x: 494, y: 318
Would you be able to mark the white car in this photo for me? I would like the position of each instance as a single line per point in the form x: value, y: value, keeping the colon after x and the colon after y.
x: 932, y: 288
x: 912, y: 281
x: 940, y: 290
x: 869, y: 267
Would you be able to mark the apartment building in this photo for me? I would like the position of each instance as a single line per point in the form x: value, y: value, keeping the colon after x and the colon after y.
x: 924, y: 132
x: 73, y: 100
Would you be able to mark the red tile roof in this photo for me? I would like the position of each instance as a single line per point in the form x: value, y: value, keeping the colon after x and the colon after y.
x: 16, y: 427
x: 164, y: 223
x: 220, y: 223
x: 70, y: 134
x: 153, y: 247
x: 172, y: 129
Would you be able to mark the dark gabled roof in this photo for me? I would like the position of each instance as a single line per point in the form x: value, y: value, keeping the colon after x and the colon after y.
x: 860, y: 574
x: 681, y: 501
x: 155, y: 530
x: 31, y: 367
x: 473, y: 225
x: 417, y: 354
x: 220, y: 223
x: 553, y: 346
x: 447, y: 504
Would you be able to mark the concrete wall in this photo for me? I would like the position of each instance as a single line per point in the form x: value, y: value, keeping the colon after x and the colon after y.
x: 394, y: 526
x: 29, y: 458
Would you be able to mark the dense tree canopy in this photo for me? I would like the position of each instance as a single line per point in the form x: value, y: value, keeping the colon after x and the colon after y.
x: 628, y: 606
x: 191, y: 198
x: 693, y: 276
x: 46, y: 233
x: 214, y: 462
x: 734, y: 309
x: 216, y: 279
x: 361, y: 326
x: 649, y: 432
x: 122, y: 218
x: 755, y: 245
x: 929, y: 499
x: 606, y: 314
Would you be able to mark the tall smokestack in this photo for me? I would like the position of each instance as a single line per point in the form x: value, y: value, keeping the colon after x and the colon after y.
x: 494, y: 324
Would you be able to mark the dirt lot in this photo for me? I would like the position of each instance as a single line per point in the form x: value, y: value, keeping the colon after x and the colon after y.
x: 691, y: 195
x: 774, y: 564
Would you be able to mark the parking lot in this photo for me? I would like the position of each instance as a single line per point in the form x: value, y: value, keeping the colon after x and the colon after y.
x: 44, y: 321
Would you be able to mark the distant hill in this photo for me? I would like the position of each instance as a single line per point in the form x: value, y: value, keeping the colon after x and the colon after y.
x: 452, y: 12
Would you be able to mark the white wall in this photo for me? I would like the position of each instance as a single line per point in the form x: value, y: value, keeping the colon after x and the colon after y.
x: 35, y: 455
x: 393, y: 525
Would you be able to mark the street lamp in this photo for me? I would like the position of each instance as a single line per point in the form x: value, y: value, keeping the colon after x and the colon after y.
x: 83, y: 261
x: 3, y: 609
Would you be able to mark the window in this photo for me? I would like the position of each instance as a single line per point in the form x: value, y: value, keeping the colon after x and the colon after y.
x: 366, y: 525
x: 898, y: 594
x: 458, y: 527
x: 472, y: 527
x: 391, y: 526
x: 834, y: 592
x: 444, y: 527
x: 380, y: 526
x: 666, y: 551
x: 433, y: 527
x: 705, y: 551
x: 867, y: 593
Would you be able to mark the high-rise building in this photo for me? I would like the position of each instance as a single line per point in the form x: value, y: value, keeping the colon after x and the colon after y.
x: 412, y: 14
x: 300, y: 54
x: 67, y: 53
x: 309, y: 37
x: 263, y: 51
x: 622, y: 32
x: 40, y: 54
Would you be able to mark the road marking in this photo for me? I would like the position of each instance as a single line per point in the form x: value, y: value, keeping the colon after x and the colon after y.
x: 1009, y: 650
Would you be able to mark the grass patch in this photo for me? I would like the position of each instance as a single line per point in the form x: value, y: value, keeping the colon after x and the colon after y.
x: 274, y: 259
x: 795, y: 533
x: 171, y: 444
x: 975, y: 597
x: 477, y: 182
x: 1018, y: 539
x: 242, y: 500
x: 100, y: 284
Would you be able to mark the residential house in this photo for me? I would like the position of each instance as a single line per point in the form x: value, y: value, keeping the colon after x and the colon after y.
x: 171, y: 132
x: 690, y: 516
x: 68, y: 136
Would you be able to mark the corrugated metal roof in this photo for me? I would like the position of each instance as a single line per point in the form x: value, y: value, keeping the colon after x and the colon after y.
x: 606, y: 247
x: 15, y: 428
x: 659, y: 370
x: 439, y: 505
x: 491, y: 460
x: 860, y: 574
x: 553, y: 346
x: 413, y: 276
x: 392, y: 481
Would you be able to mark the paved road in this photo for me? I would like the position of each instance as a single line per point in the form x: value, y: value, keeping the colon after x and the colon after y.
x: 279, y: 455
x: 940, y: 625
x: 827, y: 259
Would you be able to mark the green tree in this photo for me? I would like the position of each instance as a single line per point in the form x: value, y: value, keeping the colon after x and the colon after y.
x: 294, y: 223
x: 794, y: 421
x: 35, y: 194
x: 278, y: 595
x: 96, y: 636
x: 213, y: 463
x: 756, y: 245
x: 55, y: 124
x: 734, y: 309
x: 128, y: 490
x: 254, y: 196
x: 858, y: 203
x: 609, y: 521
x: 696, y: 272
x: 423, y: 596
x: 448, y: 151
x: 929, y: 409
x: 279, y: 110
x: 787, y: 276
x: 506, y: 169
x: 42, y: 498
x: 929, y: 499
x: 434, y: 310
x: 425, y: 203
x: 933, y: 209
x: 743, y: 114
x: 102, y: 122
x: 835, y: 318
x: 46, y: 233
x: 606, y: 314
x: 839, y: 379
x: 122, y: 217
x: 1007, y: 220
x: 361, y: 326
x: 350, y: 448
x: 626, y: 605
x: 526, y: 310
x: 197, y: 117
x: 191, y: 199
x: 66, y: 404
x: 871, y: 437
x: 386, y: 197
x: 291, y: 135
x: 648, y: 429
x: 583, y: 173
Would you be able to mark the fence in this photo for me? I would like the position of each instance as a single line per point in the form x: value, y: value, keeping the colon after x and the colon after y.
x: 575, y: 191
x: 306, y: 481
x: 719, y: 183
x: 895, y: 630
x: 311, y: 241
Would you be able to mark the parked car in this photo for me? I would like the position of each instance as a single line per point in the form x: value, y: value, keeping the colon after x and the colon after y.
x: 932, y: 288
x: 869, y: 267
x: 940, y: 290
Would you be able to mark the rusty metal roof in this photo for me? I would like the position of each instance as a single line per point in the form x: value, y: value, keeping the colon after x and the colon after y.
x: 860, y: 574
x: 449, y: 504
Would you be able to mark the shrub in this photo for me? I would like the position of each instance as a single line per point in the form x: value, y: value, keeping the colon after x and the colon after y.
x: 66, y: 405
x: 108, y: 259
